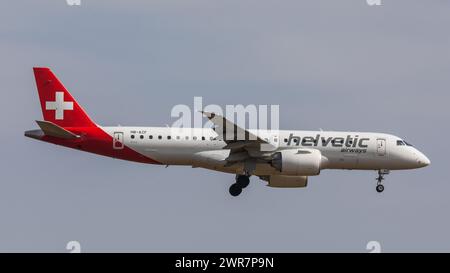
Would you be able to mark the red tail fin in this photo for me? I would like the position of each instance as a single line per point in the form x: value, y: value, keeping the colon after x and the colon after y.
x: 58, y: 105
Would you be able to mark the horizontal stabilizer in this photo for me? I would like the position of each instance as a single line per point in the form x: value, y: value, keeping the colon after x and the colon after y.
x: 51, y: 129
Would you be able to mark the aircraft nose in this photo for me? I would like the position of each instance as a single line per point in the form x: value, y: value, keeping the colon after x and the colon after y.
x: 422, y: 160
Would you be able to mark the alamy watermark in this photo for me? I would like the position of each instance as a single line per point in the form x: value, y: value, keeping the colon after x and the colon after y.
x: 73, y: 2
x: 373, y: 247
x: 235, y: 122
x: 374, y: 2
x: 369, y: 2
x: 73, y: 247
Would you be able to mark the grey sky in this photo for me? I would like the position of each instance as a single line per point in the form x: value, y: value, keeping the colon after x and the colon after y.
x: 339, y: 65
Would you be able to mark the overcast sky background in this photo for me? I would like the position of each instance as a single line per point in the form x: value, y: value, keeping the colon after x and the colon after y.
x: 340, y: 65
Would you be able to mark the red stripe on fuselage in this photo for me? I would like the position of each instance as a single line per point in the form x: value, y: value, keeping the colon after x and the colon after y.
x: 95, y: 140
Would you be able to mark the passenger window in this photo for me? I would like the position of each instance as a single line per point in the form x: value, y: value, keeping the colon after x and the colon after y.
x: 142, y: 136
x: 178, y: 137
x: 169, y: 137
x: 150, y: 137
x: 187, y: 137
x: 285, y: 140
x: 194, y: 138
x: 159, y: 137
x: 132, y: 136
x: 203, y: 138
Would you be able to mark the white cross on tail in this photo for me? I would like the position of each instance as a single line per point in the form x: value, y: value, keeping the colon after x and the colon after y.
x: 59, y: 105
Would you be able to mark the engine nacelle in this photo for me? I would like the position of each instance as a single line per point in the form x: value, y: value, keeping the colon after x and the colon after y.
x: 285, y: 181
x: 295, y: 162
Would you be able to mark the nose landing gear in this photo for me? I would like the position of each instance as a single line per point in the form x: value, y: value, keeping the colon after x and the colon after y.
x: 242, y: 182
x: 380, y: 188
x: 380, y: 178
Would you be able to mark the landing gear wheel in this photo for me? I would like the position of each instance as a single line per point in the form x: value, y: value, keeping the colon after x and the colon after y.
x: 243, y: 181
x: 380, y: 178
x: 380, y: 188
x: 235, y: 189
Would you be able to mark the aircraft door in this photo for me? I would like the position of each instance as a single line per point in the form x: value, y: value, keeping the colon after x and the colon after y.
x: 381, y: 147
x: 118, y: 141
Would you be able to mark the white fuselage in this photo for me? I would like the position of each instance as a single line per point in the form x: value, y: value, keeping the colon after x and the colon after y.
x: 199, y: 147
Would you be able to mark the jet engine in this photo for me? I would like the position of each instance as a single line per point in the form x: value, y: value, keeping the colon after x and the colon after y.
x: 303, y: 162
x: 285, y: 181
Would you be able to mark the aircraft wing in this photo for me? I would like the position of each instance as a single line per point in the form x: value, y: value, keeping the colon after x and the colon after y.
x: 231, y: 133
x: 239, y: 140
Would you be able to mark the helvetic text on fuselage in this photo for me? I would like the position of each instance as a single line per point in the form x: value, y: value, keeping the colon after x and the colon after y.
x: 349, y: 144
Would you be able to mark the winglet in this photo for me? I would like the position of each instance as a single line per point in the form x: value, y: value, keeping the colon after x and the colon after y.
x: 229, y: 131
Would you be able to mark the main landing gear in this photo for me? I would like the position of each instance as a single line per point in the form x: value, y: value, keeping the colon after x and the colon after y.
x: 242, y: 182
x: 380, y: 178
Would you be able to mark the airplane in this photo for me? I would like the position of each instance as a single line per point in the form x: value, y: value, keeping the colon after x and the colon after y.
x: 282, y: 158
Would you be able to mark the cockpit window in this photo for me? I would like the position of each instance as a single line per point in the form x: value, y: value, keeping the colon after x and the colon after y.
x: 402, y: 143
